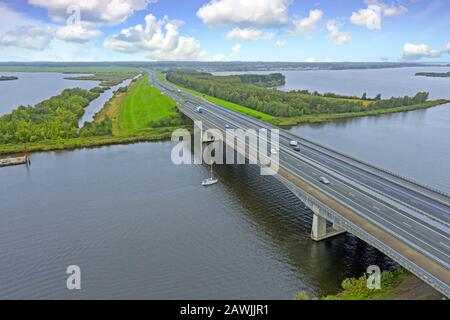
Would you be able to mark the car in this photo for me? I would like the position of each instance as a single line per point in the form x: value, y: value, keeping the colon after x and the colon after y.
x: 199, y: 109
x: 273, y: 151
x: 293, y: 143
x: 263, y: 130
x: 227, y: 126
x: 297, y: 148
x: 324, y: 180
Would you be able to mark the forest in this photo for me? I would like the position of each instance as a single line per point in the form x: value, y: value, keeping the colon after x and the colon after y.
x: 52, y: 119
x: 434, y: 74
x: 248, y: 92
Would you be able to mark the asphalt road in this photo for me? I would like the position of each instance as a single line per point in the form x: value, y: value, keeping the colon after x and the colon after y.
x: 413, y: 215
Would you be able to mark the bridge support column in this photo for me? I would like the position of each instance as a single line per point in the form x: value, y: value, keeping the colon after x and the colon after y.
x: 319, y: 230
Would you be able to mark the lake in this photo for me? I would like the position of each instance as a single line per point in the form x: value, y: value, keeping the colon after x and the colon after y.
x: 34, y: 87
x: 140, y: 227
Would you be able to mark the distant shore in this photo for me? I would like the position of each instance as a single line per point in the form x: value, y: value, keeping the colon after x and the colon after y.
x: 8, y: 78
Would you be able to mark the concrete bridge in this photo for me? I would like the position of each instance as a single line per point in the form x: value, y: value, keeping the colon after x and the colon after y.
x: 402, y: 218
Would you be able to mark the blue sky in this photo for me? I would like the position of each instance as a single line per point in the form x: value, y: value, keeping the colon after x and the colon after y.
x: 225, y: 30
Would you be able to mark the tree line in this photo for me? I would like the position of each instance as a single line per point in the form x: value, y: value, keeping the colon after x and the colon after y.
x: 52, y: 119
x: 281, y: 103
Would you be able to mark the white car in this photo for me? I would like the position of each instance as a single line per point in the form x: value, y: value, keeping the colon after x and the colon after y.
x: 324, y: 180
x: 273, y: 151
x: 294, y: 143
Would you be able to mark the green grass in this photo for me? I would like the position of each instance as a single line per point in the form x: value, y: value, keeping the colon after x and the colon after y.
x: 285, y: 122
x: 356, y: 288
x: 245, y: 110
x: 146, y: 107
x: 155, y: 134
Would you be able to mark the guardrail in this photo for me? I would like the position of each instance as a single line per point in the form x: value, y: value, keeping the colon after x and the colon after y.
x: 360, y: 233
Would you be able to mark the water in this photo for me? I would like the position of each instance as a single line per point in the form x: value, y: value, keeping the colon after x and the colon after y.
x: 141, y: 227
x: 415, y: 144
x: 32, y: 88
x: 96, y: 105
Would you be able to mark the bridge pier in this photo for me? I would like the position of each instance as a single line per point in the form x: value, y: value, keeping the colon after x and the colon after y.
x: 319, y: 229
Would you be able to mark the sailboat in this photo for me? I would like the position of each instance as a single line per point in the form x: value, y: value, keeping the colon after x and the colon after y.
x: 211, y: 180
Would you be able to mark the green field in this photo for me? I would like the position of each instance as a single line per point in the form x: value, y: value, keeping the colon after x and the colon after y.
x: 146, y: 107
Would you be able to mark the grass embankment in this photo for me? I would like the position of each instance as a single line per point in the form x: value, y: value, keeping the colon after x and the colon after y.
x: 278, y: 121
x: 141, y: 113
x: 109, y: 76
x: 146, y: 107
x: 398, y: 284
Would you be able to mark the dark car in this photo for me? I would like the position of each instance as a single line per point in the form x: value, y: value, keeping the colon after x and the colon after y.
x: 297, y: 148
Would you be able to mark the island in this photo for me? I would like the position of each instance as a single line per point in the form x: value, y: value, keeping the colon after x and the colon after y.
x: 8, y: 78
x: 434, y: 74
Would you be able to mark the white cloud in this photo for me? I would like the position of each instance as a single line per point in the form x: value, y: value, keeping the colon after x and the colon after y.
x: 248, y: 34
x: 418, y: 51
x: 236, y: 49
x: 281, y: 43
x: 307, y: 25
x: 245, y: 13
x: 447, y: 48
x: 371, y: 17
x: 160, y: 39
x: 311, y: 59
x: 93, y: 11
x: 76, y: 33
x: 219, y: 57
x: 27, y: 37
x: 338, y: 37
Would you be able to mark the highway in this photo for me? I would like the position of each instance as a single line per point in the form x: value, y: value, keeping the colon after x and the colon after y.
x: 415, y: 215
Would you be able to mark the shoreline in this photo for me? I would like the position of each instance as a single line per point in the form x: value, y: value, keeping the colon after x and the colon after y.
x: 85, y: 143
x: 309, y: 119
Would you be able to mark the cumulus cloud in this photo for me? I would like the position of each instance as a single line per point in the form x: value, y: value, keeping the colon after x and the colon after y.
x: 417, y: 51
x: 281, y: 43
x: 236, y: 49
x: 27, y: 37
x: 160, y: 38
x: 338, y: 37
x: 248, y: 34
x: 307, y: 25
x: 76, y: 33
x: 98, y: 11
x: 244, y: 13
x: 371, y: 17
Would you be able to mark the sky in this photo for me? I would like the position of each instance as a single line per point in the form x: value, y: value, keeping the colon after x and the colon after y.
x: 225, y: 30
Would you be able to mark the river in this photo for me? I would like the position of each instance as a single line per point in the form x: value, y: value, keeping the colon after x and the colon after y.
x: 34, y: 87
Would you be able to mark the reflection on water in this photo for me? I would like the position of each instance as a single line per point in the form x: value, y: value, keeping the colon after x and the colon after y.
x: 141, y: 227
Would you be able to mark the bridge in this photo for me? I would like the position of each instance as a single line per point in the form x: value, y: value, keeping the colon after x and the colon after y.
x: 407, y: 221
